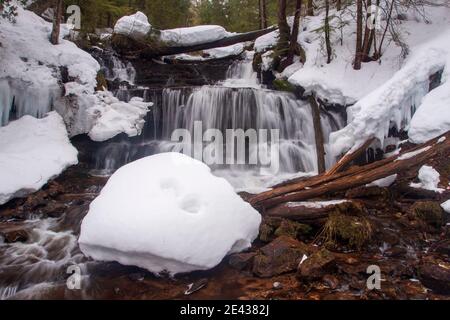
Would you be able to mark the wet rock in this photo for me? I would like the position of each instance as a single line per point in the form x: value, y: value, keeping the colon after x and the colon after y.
x: 241, y: 261
x: 396, y: 252
x: 292, y: 229
x: 436, y: 276
x: 442, y: 247
x: 331, y: 281
x: 280, y: 256
x: 429, y: 212
x: 15, y: 236
x: 277, y: 285
x: 316, y: 266
x: 54, y: 209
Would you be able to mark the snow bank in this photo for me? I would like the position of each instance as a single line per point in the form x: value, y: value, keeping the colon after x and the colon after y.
x: 167, y: 212
x: 392, y: 104
x: 429, y: 179
x: 135, y: 26
x: 193, y: 35
x: 32, y: 151
x: 113, y: 117
x: 267, y: 41
x: 315, y: 204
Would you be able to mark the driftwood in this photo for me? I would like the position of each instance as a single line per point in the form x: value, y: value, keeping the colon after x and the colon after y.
x: 356, y: 176
x: 152, y: 49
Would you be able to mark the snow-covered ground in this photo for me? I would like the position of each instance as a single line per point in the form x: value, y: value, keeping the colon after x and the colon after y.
x: 33, y: 151
x: 383, y: 93
x: 167, y: 212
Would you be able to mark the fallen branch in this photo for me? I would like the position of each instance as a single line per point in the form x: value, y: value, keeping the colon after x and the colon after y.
x: 151, y: 49
x: 354, y: 177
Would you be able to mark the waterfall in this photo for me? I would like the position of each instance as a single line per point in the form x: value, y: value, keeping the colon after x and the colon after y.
x: 115, y: 69
x: 241, y: 73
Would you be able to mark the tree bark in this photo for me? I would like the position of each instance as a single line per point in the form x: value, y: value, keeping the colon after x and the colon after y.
x: 320, y: 148
x: 327, y: 30
x: 263, y: 14
x: 54, y: 37
x: 359, y: 21
x: 310, y: 8
x: 367, y: 32
x: 284, y: 30
x: 349, y: 157
x: 294, y: 35
x: 338, y: 5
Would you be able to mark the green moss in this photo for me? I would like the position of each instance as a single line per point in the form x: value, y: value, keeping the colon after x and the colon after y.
x: 430, y: 212
x: 292, y: 229
x: 283, y: 85
x: 352, y: 230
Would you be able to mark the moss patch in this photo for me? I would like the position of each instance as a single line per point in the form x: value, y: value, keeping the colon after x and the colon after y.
x: 429, y: 212
x: 283, y: 85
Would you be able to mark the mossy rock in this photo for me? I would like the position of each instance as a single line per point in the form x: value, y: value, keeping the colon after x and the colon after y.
x: 283, y: 85
x: 292, y: 229
x: 101, y: 82
x: 353, y: 231
x: 267, y: 228
x: 429, y: 212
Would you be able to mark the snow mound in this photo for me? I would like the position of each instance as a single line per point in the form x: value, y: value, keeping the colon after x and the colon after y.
x: 114, y: 117
x: 193, y: 35
x: 267, y: 41
x: 33, y: 151
x: 429, y: 179
x: 446, y: 206
x: 135, y: 26
x: 383, y: 182
x: 216, y: 53
x: 167, y: 212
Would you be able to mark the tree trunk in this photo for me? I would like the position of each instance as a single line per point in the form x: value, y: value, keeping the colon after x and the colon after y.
x: 294, y: 35
x: 378, y: 53
x: 327, y: 30
x: 310, y: 8
x: 320, y: 148
x: 338, y: 5
x: 367, y: 32
x: 54, y: 37
x: 262, y: 14
x: 283, y: 39
x: 359, y: 21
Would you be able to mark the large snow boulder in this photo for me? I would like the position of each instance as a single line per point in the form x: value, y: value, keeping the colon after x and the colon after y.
x: 32, y: 151
x: 135, y: 26
x: 167, y: 212
x: 193, y: 35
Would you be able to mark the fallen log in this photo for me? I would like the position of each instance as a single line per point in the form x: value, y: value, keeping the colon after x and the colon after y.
x: 149, y: 49
x: 354, y: 177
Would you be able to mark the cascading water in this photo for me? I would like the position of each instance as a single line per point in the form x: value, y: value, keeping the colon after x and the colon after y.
x: 239, y: 102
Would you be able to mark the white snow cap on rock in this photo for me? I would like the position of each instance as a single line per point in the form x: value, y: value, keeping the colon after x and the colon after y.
x: 193, y: 35
x: 429, y: 179
x: 114, y: 116
x: 167, y: 212
x: 33, y: 151
x: 134, y: 26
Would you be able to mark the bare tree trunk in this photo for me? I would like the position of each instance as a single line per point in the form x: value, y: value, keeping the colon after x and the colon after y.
x: 263, y: 14
x: 283, y: 27
x: 338, y: 5
x: 388, y: 21
x: 293, y: 45
x: 310, y: 8
x: 367, y: 32
x: 327, y: 30
x: 54, y: 37
x: 320, y: 148
x: 359, y: 20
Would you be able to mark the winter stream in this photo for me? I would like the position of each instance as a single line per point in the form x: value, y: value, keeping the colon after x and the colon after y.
x: 38, y: 267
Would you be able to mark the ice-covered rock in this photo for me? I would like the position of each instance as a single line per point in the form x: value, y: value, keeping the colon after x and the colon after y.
x: 167, y: 212
x: 135, y: 26
x: 193, y: 35
x: 429, y: 179
x: 113, y: 117
x: 33, y: 151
